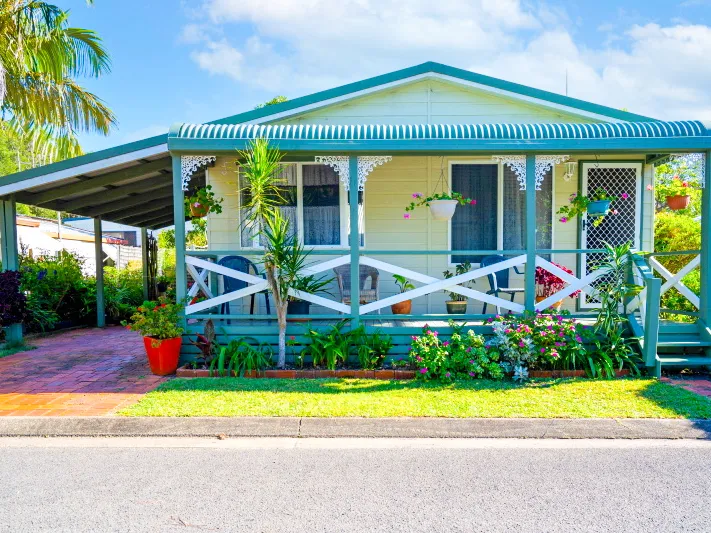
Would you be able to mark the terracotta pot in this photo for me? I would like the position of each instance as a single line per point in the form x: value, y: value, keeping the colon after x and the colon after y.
x: 443, y: 209
x: 163, y: 355
x: 197, y: 210
x: 402, y: 308
x: 677, y: 203
x: 456, y: 307
x: 557, y: 305
x: 598, y: 208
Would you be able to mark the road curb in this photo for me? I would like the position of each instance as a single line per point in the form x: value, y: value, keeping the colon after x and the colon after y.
x: 526, y: 428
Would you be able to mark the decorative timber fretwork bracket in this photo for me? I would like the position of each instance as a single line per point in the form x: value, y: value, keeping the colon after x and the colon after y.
x: 517, y: 163
x: 189, y: 164
x: 340, y: 164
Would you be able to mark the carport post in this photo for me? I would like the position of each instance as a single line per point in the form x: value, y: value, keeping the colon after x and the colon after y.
x: 10, y: 259
x: 144, y: 260
x: 99, y: 254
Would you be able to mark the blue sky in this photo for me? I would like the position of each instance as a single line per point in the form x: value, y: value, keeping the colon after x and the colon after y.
x: 197, y: 60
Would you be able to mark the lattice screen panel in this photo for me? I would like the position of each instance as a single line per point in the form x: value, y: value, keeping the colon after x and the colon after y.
x: 614, y: 229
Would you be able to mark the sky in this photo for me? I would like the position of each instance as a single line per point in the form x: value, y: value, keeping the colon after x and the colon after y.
x: 199, y: 60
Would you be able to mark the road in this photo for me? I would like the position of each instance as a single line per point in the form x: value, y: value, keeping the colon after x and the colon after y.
x: 303, y: 485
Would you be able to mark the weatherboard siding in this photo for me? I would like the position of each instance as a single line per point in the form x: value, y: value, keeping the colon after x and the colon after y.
x: 431, y: 102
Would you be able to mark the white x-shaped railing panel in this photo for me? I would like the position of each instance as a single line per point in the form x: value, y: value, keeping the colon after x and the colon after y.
x: 320, y: 300
x: 449, y: 284
x: 574, y: 283
x: 200, y: 283
x: 257, y: 284
x: 674, y: 280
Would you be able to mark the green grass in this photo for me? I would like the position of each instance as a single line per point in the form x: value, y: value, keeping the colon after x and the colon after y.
x: 578, y: 398
x: 9, y: 350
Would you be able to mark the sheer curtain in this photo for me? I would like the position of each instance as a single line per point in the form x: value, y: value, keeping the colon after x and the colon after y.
x: 514, y: 215
x: 322, y: 210
x: 288, y: 207
x: 474, y: 226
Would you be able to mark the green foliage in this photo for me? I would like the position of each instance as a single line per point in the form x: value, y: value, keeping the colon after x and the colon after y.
x: 328, y: 348
x: 461, y: 268
x: 123, y: 291
x: 372, y: 349
x: 669, y: 180
x: 42, y: 56
x: 259, y: 171
x: 240, y: 356
x: 579, y: 204
x: 420, y: 200
x: 204, y: 200
x: 273, y: 101
x: 403, y: 283
x: 206, y: 343
x: 158, y: 320
x: 311, y: 284
x: 166, y: 239
x: 464, y: 356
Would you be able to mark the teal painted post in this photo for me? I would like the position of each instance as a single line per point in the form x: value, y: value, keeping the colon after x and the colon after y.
x: 144, y: 261
x: 651, y: 323
x: 354, y: 240
x: 99, y: 255
x: 10, y: 258
x: 705, y: 296
x: 179, y: 221
x: 530, y: 281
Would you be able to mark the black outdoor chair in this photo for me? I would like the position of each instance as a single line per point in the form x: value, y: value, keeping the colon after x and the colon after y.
x: 499, y: 281
x: 241, y: 264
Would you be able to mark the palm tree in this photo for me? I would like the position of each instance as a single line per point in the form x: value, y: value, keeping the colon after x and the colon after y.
x: 40, y: 58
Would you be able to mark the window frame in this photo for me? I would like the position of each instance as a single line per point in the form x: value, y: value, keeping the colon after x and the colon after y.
x: 342, y: 204
x: 499, y: 203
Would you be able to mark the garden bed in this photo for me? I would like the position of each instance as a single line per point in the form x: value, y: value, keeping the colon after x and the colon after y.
x: 186, y: 371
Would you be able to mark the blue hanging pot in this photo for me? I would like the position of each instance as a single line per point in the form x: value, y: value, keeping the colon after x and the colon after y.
x: 598, y: 208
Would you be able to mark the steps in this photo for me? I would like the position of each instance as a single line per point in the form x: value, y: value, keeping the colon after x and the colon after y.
x: 681, y: 346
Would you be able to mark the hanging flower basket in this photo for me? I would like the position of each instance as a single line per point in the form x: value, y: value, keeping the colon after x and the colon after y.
x: 598, y: 208
x: 202, y: 202
x: 442, y: 205
x: 198, y: 210
x: 443, y: 209
x: 678, y: 202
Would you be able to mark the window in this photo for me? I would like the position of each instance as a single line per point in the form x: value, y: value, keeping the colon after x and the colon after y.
x: 498, y: 220
x: 314, y: 203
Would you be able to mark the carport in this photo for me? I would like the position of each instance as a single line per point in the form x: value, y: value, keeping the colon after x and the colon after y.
x: 130, y: 184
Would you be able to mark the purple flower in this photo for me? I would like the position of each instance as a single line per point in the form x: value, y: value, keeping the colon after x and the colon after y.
x: 448, y: 375
x: 624, y: 196
x: 423, y: 370
x: 470, y: 349
x: 471, y: 361
x: 564, y: 219
x: 472, y: 374
x: 417, y: 195
x: 406, y: 216
x: 543, y: 350
x: 445, y: 343
x: 522, y: 344
x: 578, y: 338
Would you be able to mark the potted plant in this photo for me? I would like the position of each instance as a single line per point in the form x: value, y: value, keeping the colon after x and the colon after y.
x: 162, y: 336
x: 547, y: 284
x: 676, y: 191
x: 202, y: 202
x: 596, y: 205
x: 457, y: 303
x: 404, y: 284
x: 310, y: 284
x: 442, y: 205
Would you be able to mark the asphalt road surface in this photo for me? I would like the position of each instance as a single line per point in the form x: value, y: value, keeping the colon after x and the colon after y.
x: 303, y: 485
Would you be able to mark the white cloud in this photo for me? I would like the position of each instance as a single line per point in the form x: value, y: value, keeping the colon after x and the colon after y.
x: 302, y: 46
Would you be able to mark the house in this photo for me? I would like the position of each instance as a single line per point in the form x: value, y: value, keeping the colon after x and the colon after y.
x: 355, y: 155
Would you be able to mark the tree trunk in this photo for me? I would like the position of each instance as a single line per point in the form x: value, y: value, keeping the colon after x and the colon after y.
x: 281, y: 318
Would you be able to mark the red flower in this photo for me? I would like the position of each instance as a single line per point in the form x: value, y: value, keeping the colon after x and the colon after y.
x: 163, y: 305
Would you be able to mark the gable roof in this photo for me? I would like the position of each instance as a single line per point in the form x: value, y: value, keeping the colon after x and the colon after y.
x: 422, y: 71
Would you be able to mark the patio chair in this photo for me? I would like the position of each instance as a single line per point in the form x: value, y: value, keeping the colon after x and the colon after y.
x: 499, y: 281
x: 343, y: 278
x: 241, y: 264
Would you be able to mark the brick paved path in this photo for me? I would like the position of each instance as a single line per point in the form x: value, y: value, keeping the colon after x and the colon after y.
x: 85, y: 372
x: 700, y: 384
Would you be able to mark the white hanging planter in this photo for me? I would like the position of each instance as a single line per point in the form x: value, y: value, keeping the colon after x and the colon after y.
x: 443, y: 209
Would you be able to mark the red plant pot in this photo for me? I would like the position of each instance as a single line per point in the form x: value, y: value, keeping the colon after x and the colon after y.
x: 676, y: 203
x: 163, y: 355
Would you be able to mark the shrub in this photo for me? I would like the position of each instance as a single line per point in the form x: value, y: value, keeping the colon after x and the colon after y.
x: 12, y: 300
x: 158, y: 320
x: 372, y: 349
x: 463, y: 356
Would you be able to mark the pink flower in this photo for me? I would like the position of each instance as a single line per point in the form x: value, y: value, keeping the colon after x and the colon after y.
x: 615, y: 212
x: 448, y: 374
x: 473, y: 202
x: 685, y: 184
x: 196, y: 204
x: 423, y: 370
x: 445, y: 343
x: 417, y: 195
x: 521, y: 344
x: 578, y: 338
x: 564, y: 219
x: 292, y: 338
x: 543, y: 350
x: 406, y: 216
x: 472, y: 374
x: 649, y: 187
x: 624, y: 196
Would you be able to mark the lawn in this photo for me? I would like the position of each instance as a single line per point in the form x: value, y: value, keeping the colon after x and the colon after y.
x: 577, y: 398
x: 10, y: 350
